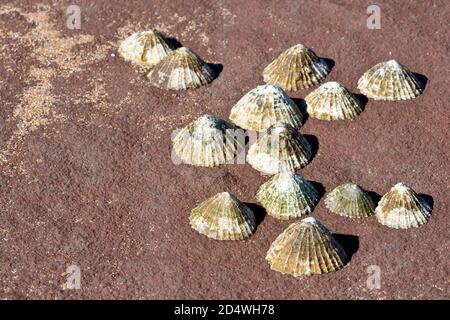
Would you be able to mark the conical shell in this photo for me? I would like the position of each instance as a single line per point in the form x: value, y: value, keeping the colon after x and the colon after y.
x: 208, y: 142
x: 350, y: 200
x: 264, y: 106
x: 305, y: 248
x: 401, y: 208
x: 223, y: 217
x: 145, y: 48
x: 182, y: 69
x: 280, y: 148
x: 287, y: 195
x: 332, y: 101
x: 389, y: 81
x: 296, y: 68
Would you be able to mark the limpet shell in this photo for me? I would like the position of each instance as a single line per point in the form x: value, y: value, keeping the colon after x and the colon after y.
x: 145, y: 48
x: 182, y: 69
x: 264, y: 106
x: 390, y: 81
x: 296, y: 68
x: 223, y: 217
x: 280, y: 148
x: 287, y: 195
x: 306, y: 248
x: 350, y: 200
x: 332, y: 101
x: 402, y: 208
x: 208, y: 142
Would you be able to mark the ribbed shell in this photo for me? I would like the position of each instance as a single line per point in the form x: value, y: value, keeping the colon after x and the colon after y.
x: 287, y: 195
x: 305, y: 248
x: 223, y: 217
x: 145, y: 48
x: 389, y: 81
x: 182, y: 69
x: 264, y: 106
x: 208, y: 142
x: 280, y: 148
x: 401, y: 208
x: 332, y: 101
x: 296, y: 68
x: 350, y: 200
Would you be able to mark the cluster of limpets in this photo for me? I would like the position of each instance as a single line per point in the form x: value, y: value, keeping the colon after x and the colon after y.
x: 306, y: 247
x: 168, y: 68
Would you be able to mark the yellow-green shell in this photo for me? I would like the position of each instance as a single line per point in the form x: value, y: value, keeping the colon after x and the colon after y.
x: 402, y: 208
x: 281, y: 148
x: 390, y: 81
x: 264, y: 106
x: 350, y: 200
x: 306, y: 248
x: 223, y: 217
x: 296, y: 68
x: 181, y: 70
x: 208, y: 142
x: 145, y: 48
x: 332, y: 101
x: 287, y: 195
